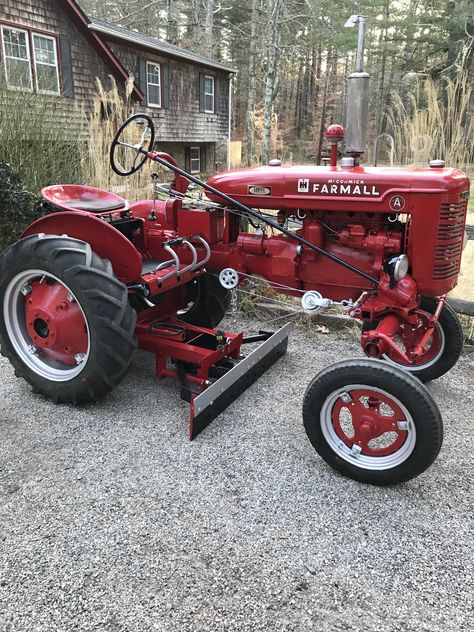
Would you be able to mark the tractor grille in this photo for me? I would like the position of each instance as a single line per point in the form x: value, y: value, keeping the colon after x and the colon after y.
x: 407, y: 233
x: 450, y: 237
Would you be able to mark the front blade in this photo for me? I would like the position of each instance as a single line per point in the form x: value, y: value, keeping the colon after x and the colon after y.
x: 211, y: 402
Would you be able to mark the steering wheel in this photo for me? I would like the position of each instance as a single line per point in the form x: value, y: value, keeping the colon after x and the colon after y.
x: 134, y: 138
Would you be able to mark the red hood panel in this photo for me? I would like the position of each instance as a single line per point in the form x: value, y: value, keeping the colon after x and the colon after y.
x: 310, y: 187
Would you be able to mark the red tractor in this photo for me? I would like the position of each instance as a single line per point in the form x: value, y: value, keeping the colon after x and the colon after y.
x: 97, y: 275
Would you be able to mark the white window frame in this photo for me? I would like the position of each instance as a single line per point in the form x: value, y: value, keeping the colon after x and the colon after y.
x: 55, y: 65
x: 191, y: 159
x: 208, y: 94
x: 9, y: 85
x: 148, y: 102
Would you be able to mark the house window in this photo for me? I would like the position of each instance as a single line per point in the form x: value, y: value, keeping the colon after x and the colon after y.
x: 16, y: 53
x: 46, y: 64
x: 22, y: 65
x: 195, y: 159
x: 209, y: 94
x: 153, y: 84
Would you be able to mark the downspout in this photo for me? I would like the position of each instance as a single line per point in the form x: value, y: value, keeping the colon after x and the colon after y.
x: 229, y: 123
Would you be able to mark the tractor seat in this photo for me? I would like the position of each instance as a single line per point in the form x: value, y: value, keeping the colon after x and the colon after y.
x: 69, y: 197
x: 94, y: 205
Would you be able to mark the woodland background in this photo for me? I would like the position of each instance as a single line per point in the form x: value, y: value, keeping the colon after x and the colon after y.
x: 293, y: 58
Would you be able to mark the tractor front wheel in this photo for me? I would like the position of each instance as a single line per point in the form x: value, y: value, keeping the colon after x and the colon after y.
x: 372, y: 422
x: 65, y: 323
x: 442, y: 350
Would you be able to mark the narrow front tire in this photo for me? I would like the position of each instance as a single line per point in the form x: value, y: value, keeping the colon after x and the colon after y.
x: 372, y: 422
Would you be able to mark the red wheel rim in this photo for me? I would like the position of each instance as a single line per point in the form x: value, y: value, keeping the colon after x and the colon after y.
x: 46, y: 325
x: 408, y: 337
x: 55, y: 322
x: 369, y: 422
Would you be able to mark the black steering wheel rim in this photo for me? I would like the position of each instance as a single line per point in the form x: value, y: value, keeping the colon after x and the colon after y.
x: 137, y: 164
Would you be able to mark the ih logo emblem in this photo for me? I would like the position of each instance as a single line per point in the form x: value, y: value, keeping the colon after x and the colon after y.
x: 303, y: 185
x: 397, y: 203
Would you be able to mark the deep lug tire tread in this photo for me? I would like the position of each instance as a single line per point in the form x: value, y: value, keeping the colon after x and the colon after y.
x: 104, y: 300
x: 397, y: 382
x: 212, y: 303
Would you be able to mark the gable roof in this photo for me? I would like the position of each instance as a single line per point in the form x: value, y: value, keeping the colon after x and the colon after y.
x: 82, y: 22
x: 154, y: 44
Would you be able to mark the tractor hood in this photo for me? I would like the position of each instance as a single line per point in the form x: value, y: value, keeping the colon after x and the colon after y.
x: 289, y: 187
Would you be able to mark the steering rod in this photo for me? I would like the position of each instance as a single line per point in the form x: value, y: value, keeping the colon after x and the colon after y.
x: 152, y: 155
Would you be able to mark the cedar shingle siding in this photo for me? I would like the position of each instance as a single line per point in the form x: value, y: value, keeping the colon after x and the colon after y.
x: 180, y: 122
x: 78, y: 88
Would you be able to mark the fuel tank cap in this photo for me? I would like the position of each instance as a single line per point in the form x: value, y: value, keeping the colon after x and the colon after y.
x: 437, y: 164
x: 276, y: 162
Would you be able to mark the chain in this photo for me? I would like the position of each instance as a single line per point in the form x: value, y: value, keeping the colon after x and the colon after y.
x: 234, y: 305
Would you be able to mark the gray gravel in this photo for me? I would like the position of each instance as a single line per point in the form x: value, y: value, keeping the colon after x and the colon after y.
x: 111, y: 520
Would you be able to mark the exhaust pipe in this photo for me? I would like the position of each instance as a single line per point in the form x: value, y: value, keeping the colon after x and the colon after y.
x: 357, y: 97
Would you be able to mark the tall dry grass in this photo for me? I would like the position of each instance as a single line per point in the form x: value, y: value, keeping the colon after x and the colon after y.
x: 40, y: 137
x: 435, y: 120
x: 109, y: 112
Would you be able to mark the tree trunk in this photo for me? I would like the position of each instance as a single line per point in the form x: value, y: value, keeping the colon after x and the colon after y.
x: 383, y: 66
x: 207, y: 43
x: 299, y: 99
x: 273, y: 31
x: 171, y: 22
x: 252, y: 89
x: 322, y: 124
x: 311, y: 92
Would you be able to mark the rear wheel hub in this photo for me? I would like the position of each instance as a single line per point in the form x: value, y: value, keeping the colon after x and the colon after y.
x: 55, y: 323
x: 46, y: 325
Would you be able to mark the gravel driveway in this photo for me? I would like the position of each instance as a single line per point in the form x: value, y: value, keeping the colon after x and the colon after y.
x: 111, y: 520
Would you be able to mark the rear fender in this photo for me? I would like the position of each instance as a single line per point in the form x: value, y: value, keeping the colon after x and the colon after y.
x: 104, y: 239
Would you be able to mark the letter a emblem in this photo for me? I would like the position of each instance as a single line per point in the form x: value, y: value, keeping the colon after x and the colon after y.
x: 397, y: 203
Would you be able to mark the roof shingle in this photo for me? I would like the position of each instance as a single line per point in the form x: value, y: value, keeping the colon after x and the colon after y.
x: 155, y: 44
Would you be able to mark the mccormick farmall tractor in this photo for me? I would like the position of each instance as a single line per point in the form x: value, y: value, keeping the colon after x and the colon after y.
x: 97, y: 275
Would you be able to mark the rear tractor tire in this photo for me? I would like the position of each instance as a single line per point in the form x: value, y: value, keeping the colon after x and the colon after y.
x: 66, y: 324
x: 208, y: 302
x: 372, y: 422
x: 443, y: 349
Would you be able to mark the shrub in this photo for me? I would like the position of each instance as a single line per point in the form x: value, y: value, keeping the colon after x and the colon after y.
x: 16, y: 205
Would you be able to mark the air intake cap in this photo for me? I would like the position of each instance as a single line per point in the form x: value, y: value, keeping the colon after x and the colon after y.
x: 276, y: 162
x: 437, y: 164
x: 347, y: 161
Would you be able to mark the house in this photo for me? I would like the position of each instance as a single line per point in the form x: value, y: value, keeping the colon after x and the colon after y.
x: 51, y: 47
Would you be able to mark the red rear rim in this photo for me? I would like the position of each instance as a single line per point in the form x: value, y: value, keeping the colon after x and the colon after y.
x: 46, y: 325
x: 55, y: 322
